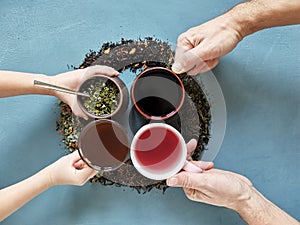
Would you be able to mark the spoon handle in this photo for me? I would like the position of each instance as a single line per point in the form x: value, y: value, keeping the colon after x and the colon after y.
x: 57, y: 88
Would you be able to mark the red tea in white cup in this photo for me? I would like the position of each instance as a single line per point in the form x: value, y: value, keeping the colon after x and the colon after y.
x: 158, y: 151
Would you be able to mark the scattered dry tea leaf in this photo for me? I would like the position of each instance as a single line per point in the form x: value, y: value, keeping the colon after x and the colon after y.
x: 106, y: 51
x: 132, y: 51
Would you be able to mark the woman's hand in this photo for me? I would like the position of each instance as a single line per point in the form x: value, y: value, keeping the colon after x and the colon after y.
x: 69, y: 169
x: 73, y: 79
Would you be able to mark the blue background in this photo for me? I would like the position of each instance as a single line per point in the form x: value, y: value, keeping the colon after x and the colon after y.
x: 260, y: 80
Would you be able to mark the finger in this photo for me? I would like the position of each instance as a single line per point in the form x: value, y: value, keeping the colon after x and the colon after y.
x: 191, y: 167
x: 204, y: 67
x: 204, y: 165
x: 78, y: 111
x: 199, y: 67
x: 184, y: 62
x: 184, y: 179
x: 103, y: 70
x: 191, y: 146
x: 79, y: 164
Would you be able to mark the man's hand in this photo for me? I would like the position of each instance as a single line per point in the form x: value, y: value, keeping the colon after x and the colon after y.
x: 199, y: 49
x: 233, y: 191
x: 216, y: 187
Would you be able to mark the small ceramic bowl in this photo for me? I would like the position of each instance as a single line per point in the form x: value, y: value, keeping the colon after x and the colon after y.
x: 98, y: 101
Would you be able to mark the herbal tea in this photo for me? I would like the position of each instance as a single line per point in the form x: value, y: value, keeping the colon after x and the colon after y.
x: 158, y: 148
x: 104, y: 96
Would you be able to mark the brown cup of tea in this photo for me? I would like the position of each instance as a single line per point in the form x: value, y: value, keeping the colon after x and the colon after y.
x: 104, y: 145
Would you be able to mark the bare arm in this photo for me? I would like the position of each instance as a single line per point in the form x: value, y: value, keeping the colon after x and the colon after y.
x: 202, y: 46
x: 69, y: 169
x: 259, y: 210
x: 256, y: 15
x: 17, y: 83
x: 233, y: 191
x: 15, y: 196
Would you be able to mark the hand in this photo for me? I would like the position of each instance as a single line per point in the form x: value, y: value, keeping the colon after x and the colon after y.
x: 195, y: 167
x: 216, y: 187
x: 199, y: 49
x: 73, y: 79
x: 69, y: 169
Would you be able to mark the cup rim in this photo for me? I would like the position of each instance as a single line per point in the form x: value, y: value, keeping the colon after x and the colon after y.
x: 158, y: 117
x: 85, y: 159
x: 158, y: 176
x: 107, y: 115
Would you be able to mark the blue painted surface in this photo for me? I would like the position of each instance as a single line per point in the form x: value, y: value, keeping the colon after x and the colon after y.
x: 260, y: 81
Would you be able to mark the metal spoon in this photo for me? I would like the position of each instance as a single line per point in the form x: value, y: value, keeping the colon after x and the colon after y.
x: 57, y: 88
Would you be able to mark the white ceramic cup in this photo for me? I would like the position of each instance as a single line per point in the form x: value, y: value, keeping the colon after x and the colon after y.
x: 158, y: 151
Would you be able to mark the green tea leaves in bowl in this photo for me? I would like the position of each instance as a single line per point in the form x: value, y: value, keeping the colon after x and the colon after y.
x: 104, y: 96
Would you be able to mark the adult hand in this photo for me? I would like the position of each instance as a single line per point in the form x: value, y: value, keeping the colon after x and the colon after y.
x: 216, y: 187
x: 199, y: 49
x: 194, y: 167
x: 73, y: 79
x: 69, y: 169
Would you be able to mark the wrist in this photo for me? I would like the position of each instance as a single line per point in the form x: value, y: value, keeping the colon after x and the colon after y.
x: 40, y: 90
x: 243, y: 18
x: 51, y: 80
x: 252, y: 203
x: 48, y: 177
x: 255, y: 15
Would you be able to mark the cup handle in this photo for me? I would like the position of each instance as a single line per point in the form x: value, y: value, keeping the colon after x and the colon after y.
x: 191, y: 167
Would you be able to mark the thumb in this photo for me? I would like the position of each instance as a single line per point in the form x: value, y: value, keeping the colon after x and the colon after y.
x: 99, y: 69
x: 77, y: 110
x: 195, y: 60
x: 183, y: 179
x: 187, y: 59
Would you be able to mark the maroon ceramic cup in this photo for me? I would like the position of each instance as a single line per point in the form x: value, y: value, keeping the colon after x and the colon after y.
x: 157, y: 93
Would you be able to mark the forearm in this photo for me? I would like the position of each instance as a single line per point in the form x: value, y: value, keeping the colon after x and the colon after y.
x: 255, y: 15
x: 257, y: 210
x: 15, y: 196
x: 17, y: 83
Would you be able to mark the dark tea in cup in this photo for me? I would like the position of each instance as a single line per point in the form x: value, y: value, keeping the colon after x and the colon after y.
x: 157, y: 93
x: 104, y: 145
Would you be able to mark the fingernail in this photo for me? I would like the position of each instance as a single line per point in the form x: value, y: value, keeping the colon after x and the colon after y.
x: 172, y: 181
x: 177, y: 67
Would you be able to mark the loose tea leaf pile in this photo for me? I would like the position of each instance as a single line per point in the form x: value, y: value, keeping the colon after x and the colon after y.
x: 104, y: 98
x: 138, y: 56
